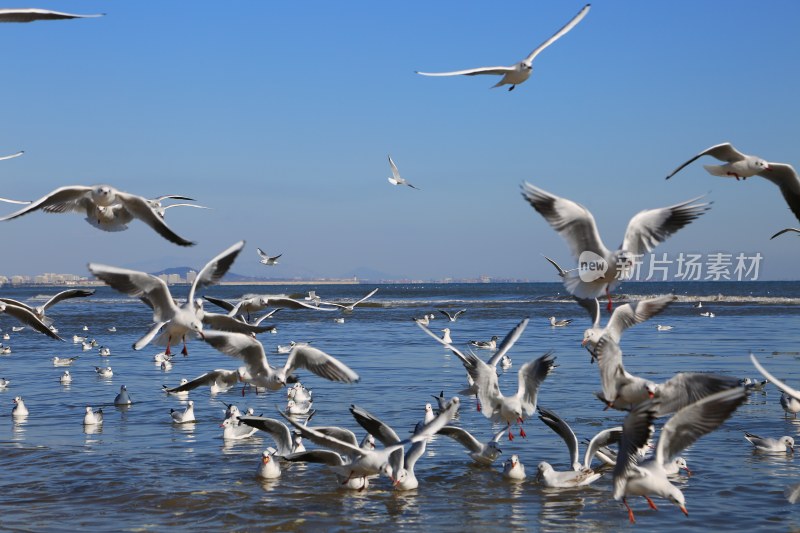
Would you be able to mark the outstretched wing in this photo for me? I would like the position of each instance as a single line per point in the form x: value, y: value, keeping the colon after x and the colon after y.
x: 471, y: 71
x: 723, y: 152
x: 560, y: 33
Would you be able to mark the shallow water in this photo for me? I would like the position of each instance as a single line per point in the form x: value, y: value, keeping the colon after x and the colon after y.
x: 140, y: 472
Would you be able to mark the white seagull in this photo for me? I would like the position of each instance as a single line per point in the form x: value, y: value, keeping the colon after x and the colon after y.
x: 33, y: 14
x: 64, y: 361
x: 104, y: 372
x: 172, y: 322
x: 123, y: 398
x: 622, y: 390
x: 27, y: 317
x: 267, y: 259
x: 19, y: 410
x: 4, y: 383
x: 92, y: 418
x: 268, y: 467
x: 12, y: 156
x: 183, y: 417
x: 767, y: 444
x: 520, y: 72
x: 682, y: 430
x: 513, y: 469
x: 279, y: 432
x: 483, y: 453
x: 623, y: 317
x: 367, y: 462
x: 349, y: 307
x: 260, y: 373
x: 790, y: 398
x: 581, y: 474
x: 452, y: 317
x: 396, y: 179
x: 559, y: 323
x: 104, y: 207
x: 219, y: 380
x: 602, y: 269
x: 743, y: 166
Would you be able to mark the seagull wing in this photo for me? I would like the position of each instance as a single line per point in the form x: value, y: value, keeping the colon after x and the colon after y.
x: 634, y: 313
x: 695, y: 420
x: 207, y: 379
x: 12, y: 156
x: 560, y: 33
x: 319, y: 363
x: 571, y: 220
x: 228, y: 323
x: 219, y: 302
x: 636, y: 431
x: 531, y: 376
x: 472, y: 71
x: 215, y: 269
x: 374, y: 425
x: 563, y: 430
x: 61, y: 200
x: 141, y: 285
x: 687, y: 388
x: 649, y: 228
x: 723, y: 152
x: 327, y: 441
x: 140, y: 208
x: 395, y: 172
x: 242, y: 346
x: 602, y: 439
x: 371, y: 293
x: 32, y: 14
x: 592, y: 306
x: 486, y: 384
x: 464, y: 437
x: 786, y: 230
x: 64, y: 295
x: 785, y: 177
x: 27, y: 317
x: 326, y: 457
x: 277, y: 430
x: 508, y: 342
x: 609, y: 363
x: 775, y: 381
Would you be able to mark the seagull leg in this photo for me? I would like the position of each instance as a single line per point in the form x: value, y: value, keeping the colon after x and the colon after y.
x: 521, y: 429
x: 511, y: 88
x: 510, y: 435
x: 608, y: 294
x: 184, y: 351
x: 650, y: 503
x: 479, y: 406
x: 167, y: 351
x: 346, y: 481
x: 630, y: 511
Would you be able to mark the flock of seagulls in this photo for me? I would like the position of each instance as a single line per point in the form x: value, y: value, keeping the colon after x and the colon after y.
x: 696, y: 403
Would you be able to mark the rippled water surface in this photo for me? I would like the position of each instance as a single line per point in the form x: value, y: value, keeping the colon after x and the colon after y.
x: 138, y: 471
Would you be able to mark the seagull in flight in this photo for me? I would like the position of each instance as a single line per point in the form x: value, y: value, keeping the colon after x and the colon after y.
x: 12, y: 156
x: 743, y: 166
x: 266, y: 259
x: 520, y: 72
x: 106, y: 208
x: 396, y: 179
x: 604, y: 268
x: 172, y: 321
x: 33, y: 14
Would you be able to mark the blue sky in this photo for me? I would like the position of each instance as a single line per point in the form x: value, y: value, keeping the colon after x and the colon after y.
x: 280, y: 116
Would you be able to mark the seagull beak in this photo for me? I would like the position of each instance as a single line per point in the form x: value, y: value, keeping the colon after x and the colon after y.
x: 222, y: 425
x: 683, y: 508
x: 688, y: 472
x: 650, y: 394
x: 584, y: 341
x: 266, y: 459
x: 395, y: 482
x: 201, y: 335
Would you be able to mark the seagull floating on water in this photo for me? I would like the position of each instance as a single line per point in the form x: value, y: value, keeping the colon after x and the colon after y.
x: 183, y: 417
x: 783, y: 444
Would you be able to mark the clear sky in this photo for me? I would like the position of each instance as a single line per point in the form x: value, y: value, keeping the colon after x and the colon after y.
x: 280, y: 115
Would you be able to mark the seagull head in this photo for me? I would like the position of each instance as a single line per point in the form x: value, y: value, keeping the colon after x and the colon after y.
x: 681, y: 462
x: 103, y: 195
x: 789, y: 442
